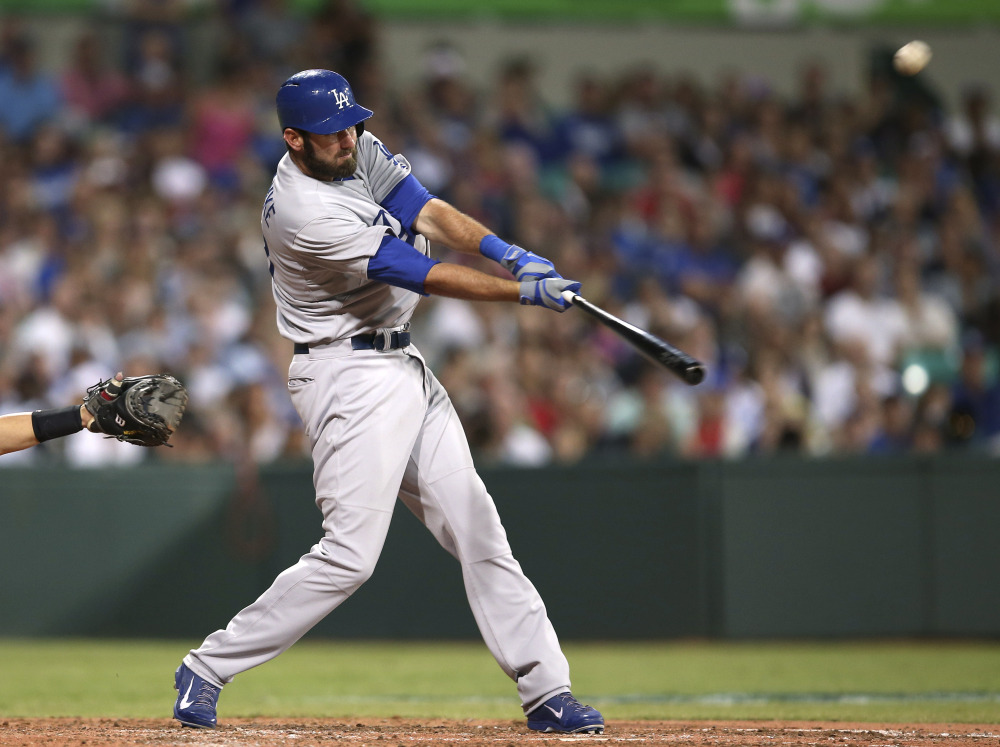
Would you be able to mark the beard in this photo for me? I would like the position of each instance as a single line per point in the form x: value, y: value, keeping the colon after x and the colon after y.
x: 325, y: 171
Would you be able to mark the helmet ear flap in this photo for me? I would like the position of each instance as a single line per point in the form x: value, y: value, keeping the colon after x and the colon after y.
x: 360, y: 127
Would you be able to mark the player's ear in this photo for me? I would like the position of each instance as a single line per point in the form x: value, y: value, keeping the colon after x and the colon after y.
x: 294, y: 139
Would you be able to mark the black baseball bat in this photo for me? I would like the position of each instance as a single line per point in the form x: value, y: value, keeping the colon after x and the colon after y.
x: 659, y: 351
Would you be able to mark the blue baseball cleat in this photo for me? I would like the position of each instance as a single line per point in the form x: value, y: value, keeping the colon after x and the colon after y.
x: 196, y: 699
x: 564, y: 713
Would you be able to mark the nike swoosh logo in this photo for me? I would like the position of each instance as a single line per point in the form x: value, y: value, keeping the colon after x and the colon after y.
x: 558, y: 714
x: 184, y: 701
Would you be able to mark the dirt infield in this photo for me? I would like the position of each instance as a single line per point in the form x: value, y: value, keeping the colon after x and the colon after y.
x: 411, y: 733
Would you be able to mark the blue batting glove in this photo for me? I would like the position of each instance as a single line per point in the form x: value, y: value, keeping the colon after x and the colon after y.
x: 525, y: 265
x: 547, y: 292
x: 522, y: 264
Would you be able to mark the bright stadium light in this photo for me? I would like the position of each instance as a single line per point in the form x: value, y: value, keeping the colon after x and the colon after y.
x: 915, y: 379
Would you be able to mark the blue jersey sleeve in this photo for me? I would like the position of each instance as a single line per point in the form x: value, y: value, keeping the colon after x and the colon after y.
x: 406, y: 200
x: 397, y: 263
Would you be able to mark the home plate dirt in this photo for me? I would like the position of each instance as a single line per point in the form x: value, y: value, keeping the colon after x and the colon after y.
x: 413, y: 733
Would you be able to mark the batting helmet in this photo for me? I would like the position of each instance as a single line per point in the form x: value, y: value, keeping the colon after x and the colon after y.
x: 319, y: 101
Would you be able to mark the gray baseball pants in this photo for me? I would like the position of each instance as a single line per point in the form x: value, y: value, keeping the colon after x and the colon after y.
x: 382, y: 426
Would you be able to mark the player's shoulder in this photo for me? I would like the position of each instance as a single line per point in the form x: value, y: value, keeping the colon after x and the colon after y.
x: 370, y: 149
x: 376, y: 161
x: 290, y: 181
x: 299, y: 199
x: 368, y: 139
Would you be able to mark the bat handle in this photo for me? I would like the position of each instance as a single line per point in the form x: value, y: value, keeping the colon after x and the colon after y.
x: 569, y: 296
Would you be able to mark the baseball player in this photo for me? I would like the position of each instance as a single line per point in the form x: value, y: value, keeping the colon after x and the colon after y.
x: 22, y: 430
x: 347, y: 230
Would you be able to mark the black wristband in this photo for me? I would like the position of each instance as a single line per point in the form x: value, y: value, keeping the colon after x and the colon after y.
x: 48, y: 424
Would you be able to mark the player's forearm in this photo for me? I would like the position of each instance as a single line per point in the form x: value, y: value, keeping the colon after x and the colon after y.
x: 456, y: 281
x: 18, y: 430
x: 443, y: 224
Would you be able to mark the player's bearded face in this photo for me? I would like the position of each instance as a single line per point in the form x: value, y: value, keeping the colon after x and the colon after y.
x: 335, y: 158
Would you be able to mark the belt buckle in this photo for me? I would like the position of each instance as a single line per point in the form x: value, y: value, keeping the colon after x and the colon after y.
x: 385, y: 335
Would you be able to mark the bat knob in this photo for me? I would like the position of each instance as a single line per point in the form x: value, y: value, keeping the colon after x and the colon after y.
x: 694, y: 374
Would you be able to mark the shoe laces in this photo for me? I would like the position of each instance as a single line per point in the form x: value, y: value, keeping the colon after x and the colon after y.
x: 206, y: 695
x: 569, y: 700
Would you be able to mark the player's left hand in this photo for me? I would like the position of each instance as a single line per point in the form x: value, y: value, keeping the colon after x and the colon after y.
x: 547, y: 292
x: 106, y: 392
x: 525, y: 265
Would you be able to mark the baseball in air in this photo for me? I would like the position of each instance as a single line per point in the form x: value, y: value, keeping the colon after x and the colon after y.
x: 912, y: 57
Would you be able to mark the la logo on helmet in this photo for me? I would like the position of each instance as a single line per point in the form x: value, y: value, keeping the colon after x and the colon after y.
x: 341, y: 98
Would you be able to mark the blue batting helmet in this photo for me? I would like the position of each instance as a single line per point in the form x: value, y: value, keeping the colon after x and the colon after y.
x: 318, y: 101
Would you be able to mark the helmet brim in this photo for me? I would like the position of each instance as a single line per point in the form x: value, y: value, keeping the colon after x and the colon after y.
x: 330, y: 125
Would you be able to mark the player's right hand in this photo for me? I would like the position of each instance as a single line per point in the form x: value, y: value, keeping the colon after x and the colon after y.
x: 547, y: 292
x: 525, y: 265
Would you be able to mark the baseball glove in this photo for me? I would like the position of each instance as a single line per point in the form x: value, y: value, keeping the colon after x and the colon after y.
x: 145, y: 412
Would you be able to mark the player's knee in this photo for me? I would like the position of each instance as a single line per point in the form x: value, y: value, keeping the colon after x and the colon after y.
x: 349, y: 578
x: 364, y: 571
x: 348, y: 567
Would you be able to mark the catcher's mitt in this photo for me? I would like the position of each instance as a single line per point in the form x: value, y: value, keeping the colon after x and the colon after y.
x: 145, y: 412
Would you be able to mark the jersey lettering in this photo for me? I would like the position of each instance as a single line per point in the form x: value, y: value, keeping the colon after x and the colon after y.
x: 382, y: 219
x: 267, y: 253
x: 268, y: 207
x: 268, y: 212
x: 388, y: 155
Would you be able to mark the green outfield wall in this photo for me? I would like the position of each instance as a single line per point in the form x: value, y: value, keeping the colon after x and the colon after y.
x: 768, y: 548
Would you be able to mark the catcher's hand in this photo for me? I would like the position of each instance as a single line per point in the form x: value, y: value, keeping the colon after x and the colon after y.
x: 142, y: 410
x: 105, y: 392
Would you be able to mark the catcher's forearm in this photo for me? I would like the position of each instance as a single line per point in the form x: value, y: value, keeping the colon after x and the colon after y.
x: 49, y: 424
x: 23, y: 430
x: 16, y: 432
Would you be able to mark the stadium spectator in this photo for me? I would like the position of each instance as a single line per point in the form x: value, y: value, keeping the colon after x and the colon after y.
x: 974, y: 418
x: 224, y: 116
x: 29, y: 97
x: 91, y: 88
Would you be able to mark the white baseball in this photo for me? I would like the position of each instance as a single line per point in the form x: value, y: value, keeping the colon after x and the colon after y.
x: 912, y: 57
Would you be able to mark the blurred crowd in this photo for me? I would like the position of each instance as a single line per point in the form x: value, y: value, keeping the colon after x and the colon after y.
x: 831, y: 259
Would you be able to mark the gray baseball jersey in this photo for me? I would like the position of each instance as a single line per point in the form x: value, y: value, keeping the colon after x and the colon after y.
x: 381, y: 428
x: 319, y: 244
